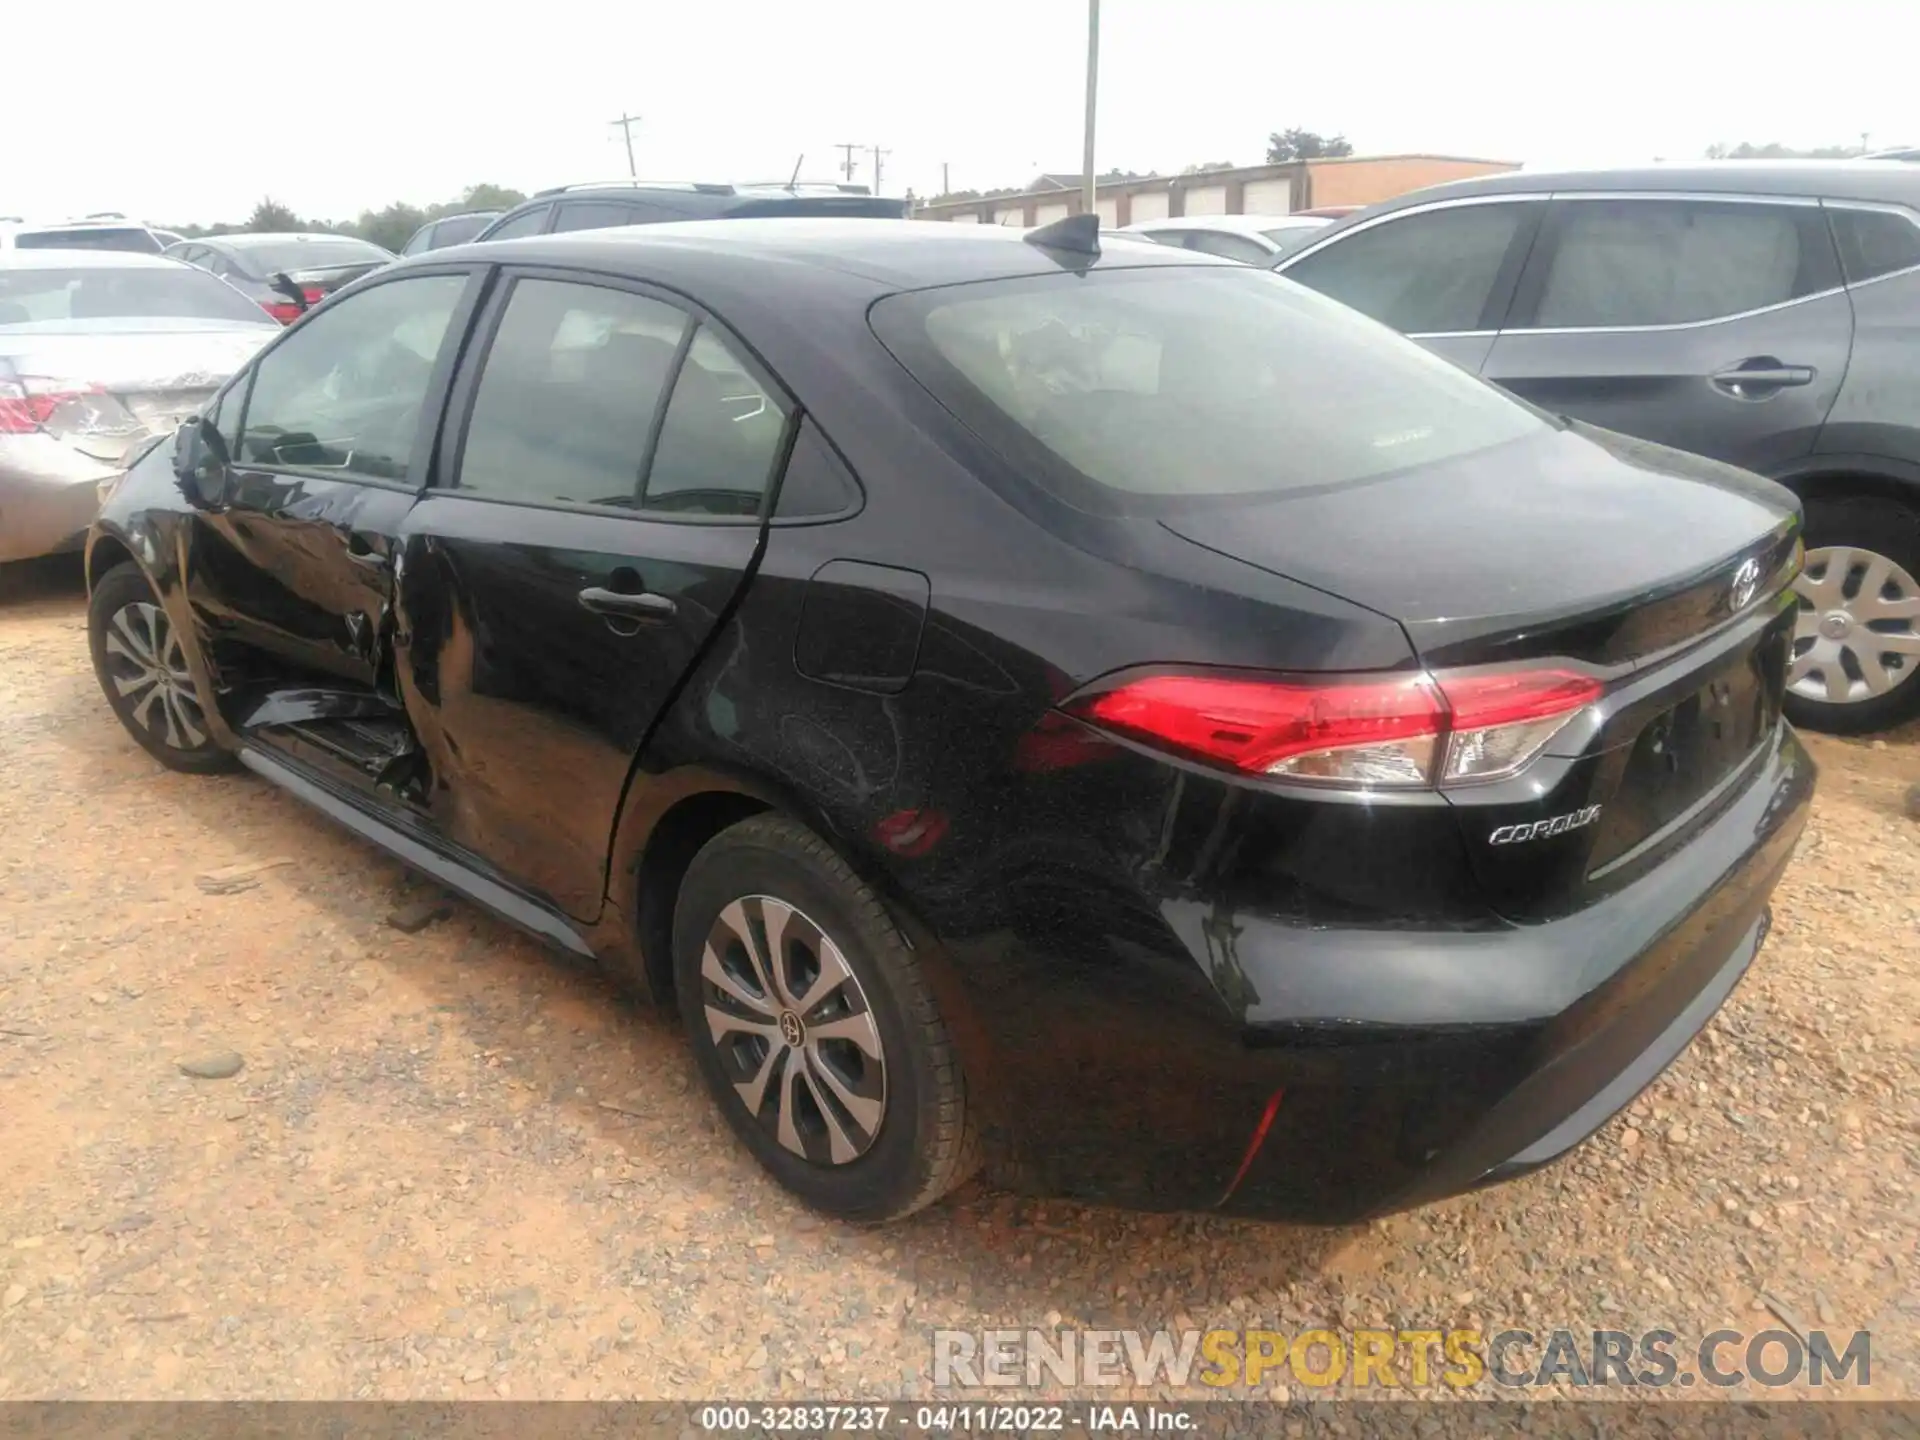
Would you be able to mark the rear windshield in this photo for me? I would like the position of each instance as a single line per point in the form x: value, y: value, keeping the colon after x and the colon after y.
x: 104, y: 237
x: 1142, y: 391
x: 173, y: 292
x: 265, y: 259
x: 459, y: 229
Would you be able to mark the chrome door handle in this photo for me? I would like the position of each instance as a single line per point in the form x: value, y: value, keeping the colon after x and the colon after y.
x: 1762, y: 375
x: 642, y: 606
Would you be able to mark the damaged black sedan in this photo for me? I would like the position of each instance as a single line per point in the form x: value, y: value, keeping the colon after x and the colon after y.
x: 1123, y: 720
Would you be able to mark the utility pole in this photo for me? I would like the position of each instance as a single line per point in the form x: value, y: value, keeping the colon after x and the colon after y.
x: 946, y: 186
x: 878, y: 156
x: 626, y: 124
x: 846, y: 163
x: 1093, y: 75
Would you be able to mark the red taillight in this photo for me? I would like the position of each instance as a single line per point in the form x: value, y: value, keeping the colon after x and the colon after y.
x: 1497, y: 722
x: 1401, y: 732
x: 285, y: 311
x: 313, y: 294
x: 26, y: 405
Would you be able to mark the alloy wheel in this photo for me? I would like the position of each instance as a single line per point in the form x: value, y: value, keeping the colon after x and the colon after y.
x: 148, y: 669
x: 1858, y: 633
x: 793, y: 1030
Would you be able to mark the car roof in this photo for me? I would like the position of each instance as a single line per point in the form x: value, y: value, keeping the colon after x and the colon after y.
x: 877, y: 256
x: 249, y: 239
x: 90, y: 222
x: 1232, y: 224
x: 52, y: 258
x: 1866, y: 180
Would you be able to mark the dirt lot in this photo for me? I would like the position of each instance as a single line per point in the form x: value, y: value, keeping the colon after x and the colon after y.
x: 455, y: 1166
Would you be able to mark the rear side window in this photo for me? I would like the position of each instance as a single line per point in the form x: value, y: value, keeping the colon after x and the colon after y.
x: 721, y: 436
x: 1875, y: 242
x: 1673, y: 262
x: 528, y: 222
x: 573, y: 380
x: 104, y: 237
x: 1422, y: 274
x: 457, y: 230
x: 593, y: 215
x: 1144, y: 391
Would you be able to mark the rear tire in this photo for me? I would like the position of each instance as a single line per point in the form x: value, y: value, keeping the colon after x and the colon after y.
x: 814, y: 1027
x: 1859, y: 598
x: 142, y: 669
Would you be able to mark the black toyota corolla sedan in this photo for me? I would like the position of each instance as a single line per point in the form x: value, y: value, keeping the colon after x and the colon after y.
x: 1121, y: 719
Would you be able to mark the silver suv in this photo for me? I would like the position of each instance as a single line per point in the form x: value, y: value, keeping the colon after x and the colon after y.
x: 1765, y: 313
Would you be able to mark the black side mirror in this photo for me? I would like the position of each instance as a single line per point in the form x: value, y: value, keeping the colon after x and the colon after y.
x: 200, y: 460
x: 283, y: 284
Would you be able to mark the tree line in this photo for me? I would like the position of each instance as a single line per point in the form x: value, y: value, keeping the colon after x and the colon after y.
x: 390, y: 227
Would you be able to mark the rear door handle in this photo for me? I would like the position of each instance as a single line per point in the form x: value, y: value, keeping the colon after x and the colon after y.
x: 1761, y: 375
x: 642, y: 606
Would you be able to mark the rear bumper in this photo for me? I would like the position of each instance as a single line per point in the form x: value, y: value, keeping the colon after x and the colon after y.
x: 48, y: 496
x: 1611, y: 996
x: 1411, y: 1065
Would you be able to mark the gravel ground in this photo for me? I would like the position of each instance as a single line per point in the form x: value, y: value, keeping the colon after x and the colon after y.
x: 454, y: 1166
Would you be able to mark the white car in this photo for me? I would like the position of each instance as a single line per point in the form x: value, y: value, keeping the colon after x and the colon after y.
x: 1253, y: 239
x: 101, y: 353
x: 96, y: 232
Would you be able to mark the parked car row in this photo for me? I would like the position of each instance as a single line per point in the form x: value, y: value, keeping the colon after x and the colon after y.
x: 284, y: 274
x: 52, y: 454
x: 101, y: 352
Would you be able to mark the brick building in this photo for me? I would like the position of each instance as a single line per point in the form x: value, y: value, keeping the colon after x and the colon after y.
x: 1246, y: 190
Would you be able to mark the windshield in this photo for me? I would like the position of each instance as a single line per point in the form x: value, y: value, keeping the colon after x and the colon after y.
x: 165, y: 292
x: 317, y: 254
x: 104, y: 237
x: 1136, y: 391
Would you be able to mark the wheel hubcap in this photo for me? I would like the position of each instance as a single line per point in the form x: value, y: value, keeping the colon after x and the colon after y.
x: 793, y: 1030
x: 149, y: 671
x: 1858, y: 634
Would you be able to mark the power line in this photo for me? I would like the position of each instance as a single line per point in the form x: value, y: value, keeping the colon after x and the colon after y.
x: 626, y: 124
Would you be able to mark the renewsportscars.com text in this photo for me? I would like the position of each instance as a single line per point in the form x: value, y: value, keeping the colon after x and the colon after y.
x: 1400, y: 1358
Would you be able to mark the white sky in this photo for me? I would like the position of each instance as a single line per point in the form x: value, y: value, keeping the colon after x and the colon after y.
x: 340, y: 106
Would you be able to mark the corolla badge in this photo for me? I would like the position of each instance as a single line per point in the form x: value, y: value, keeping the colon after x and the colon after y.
x: 1541, y: 829
x: 1746, y: 580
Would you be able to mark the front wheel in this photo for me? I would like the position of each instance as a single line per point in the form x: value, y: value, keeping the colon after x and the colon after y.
x: 1856, y: 648
x: 142, y: 668
x: 814, y: 1027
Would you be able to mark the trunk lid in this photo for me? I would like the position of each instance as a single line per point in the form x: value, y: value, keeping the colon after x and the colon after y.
x: 1665, y: 574
x: 106, y: 393
x: 319, y: 281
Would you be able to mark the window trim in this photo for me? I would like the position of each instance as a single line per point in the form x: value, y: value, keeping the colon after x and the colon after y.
x: 1506, y: 277
x: 450, y: 445
x: 1877, y: 207
x: 433, y: 407
x: 1526, y: 297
